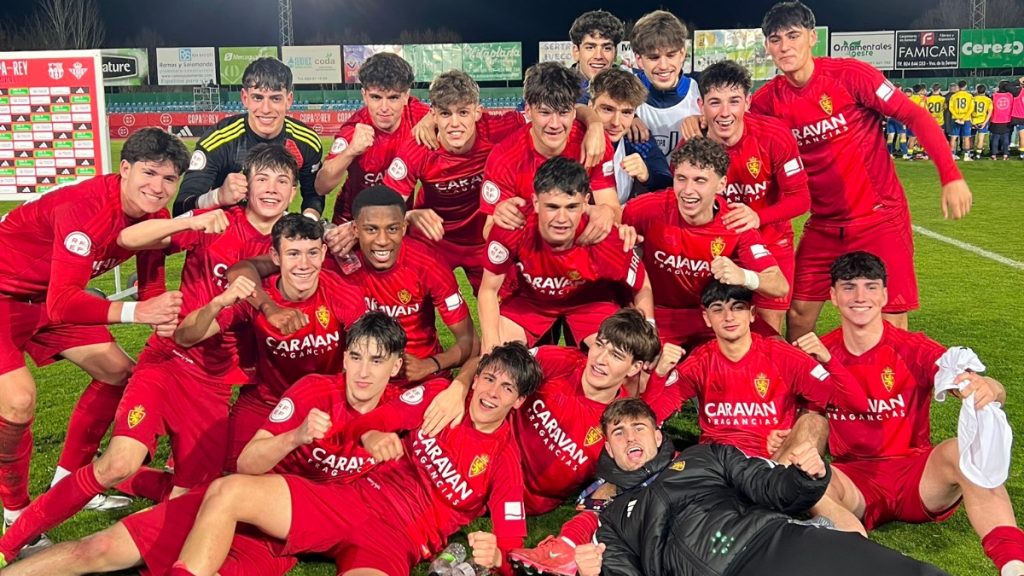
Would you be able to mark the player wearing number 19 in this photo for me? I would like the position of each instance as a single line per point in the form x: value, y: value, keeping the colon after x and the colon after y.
x: 52, y: 247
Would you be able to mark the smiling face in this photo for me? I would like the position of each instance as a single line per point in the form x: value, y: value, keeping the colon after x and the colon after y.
x: 617, y: 117
x: 558, y: 216
x: 632, y: 442
x: 267, y: 110
x: 724, y: 108
x: 790, y: 49
x: 860, y: 301
x: 594, y: 54
x: 380, y: 230
x: 730, y: 320
x: 385, y: 107
x: 147, y: 187
x: 367, y: 371
x: 270, y: 192
x: 456, y: 125
x: 550, y: 128
x: 695, y: 189
x: 663, y: 66
x: 300, y: 261
x: 494, y: 395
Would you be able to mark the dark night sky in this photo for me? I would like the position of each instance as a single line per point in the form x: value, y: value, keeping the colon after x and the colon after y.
x: 254, y: 22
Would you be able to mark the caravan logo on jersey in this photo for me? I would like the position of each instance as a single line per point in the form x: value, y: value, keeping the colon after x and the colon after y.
x: 443, y: 471
x: 304, y: 346
x: 550, y: 431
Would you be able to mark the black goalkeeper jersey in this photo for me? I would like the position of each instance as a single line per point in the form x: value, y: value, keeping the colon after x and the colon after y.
x: 223, y: 151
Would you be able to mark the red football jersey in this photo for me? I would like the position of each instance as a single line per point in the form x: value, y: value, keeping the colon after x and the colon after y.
x: 514, y: 162
x: 444, y: 483
x: 410, y: 291
x: 368, y: 168
x: 835, y: 118
x: 678, y: 256
x: 202, y: 278
x: 898, y: 377
x: 314, y: 349
x: 450, y: 183
x: 323, y: 460
x: 53, y: 246
x: 579, y: 274
x: 558, y: 427
x: 766, y: 173
x: 741, y: 402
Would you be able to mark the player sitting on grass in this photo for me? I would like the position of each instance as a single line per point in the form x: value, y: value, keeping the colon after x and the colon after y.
x: 556, y: 276
x: 886, y: 467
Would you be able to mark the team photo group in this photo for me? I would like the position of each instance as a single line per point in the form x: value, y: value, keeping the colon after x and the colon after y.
x: 626, y: 241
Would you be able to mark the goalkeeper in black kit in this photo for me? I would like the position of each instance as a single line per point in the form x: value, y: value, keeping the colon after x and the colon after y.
x: 711, y: 510
x: 215, y: 176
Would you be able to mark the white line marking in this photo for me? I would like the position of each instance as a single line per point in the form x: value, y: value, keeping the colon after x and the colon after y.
x: 969, y: 247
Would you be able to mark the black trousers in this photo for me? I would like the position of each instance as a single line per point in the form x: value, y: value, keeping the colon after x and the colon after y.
x: 798, y: 550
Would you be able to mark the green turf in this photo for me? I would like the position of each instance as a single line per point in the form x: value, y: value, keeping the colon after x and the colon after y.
x: 963, y: 296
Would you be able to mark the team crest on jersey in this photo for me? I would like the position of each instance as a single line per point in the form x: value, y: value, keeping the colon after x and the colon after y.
x: 593, y: 436
x: 761, y: 384
x: 573, y: 275
x: 717, y: 247
x: 888, y: 379
x: 404, y: 296
x: 478, y: 466
x: 678, y: 466
x: 754, y: 166
x: 323, y: 316
x: 136, y: 416
x: 826, y: 104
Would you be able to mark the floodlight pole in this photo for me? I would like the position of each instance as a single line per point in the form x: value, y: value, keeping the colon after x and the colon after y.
x: 978, y: 14
x: 284, y: 17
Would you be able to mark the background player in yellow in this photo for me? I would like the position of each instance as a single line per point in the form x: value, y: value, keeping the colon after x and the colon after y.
x: 918, y: 97
x: 936, y: 104
x: 980, y: 117
x: 961, y: 108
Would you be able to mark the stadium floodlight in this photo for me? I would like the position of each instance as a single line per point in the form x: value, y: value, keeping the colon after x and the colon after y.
x: 284, y: 18
x: 978, y: 14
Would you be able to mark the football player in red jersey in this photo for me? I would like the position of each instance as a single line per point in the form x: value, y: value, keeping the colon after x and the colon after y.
x: 766, y: 186
x: 305, y: 437
x: 397, y: 514
x: 52, y: 247
x: 885, y: 466
x: 368, y: 141
x: 556, y: 276
x: 834, y: 107
x: 446, y: 214
x: 686, y: 243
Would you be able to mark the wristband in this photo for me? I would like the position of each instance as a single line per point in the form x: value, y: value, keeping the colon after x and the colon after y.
x: 437, y: 363
x: 128, y: 312
x: 652, y: 322
x: 209, y: 200
x: 751, y: 281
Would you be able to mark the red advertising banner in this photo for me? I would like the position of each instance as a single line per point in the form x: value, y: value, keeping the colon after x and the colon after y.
x: 52, y: 121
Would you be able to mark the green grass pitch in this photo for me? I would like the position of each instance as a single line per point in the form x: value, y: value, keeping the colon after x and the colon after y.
x: 966, y: 299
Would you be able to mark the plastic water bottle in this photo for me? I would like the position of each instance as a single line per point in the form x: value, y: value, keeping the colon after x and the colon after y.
x: 469, y: 569
x: 348, y: 263
x: 443, y: 564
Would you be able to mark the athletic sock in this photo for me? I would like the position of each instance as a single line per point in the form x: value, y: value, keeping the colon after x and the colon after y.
x: 179, y: 569
x: 15, y: 458
x: 580, y: 529
x: 148, y: 483
x: 1003, y: 544
x: 51, y: 508
x: 90, y: 420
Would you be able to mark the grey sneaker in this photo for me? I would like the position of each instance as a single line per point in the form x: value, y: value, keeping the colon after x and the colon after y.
x: 42, y: 542
x: 105, y: 502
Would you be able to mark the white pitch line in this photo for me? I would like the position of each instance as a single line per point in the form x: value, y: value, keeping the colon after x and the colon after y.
x: 970, y: 248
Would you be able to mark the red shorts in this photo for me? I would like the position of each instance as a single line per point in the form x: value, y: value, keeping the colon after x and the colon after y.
x: 170, y: 398
x: 160, y: 532
x: 891, y: 240
x: 468, y: 257
x: 248, y: 415
x: 25, y: 328
x: 331, y: 519
x: 783, y: 253
x: 892, y: 489
x: 537, y: 318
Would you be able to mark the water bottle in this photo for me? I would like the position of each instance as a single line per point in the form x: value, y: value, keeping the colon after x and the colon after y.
x: 348, y: 263
x: 443, y: 564
x: 469, y: 569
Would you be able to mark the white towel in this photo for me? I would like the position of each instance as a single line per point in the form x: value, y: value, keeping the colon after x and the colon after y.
x: 984, y: 435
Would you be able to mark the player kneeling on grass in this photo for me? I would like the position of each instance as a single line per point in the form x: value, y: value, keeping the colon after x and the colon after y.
x: 886, y: 467
x: 556, y: 275
x: 712, y: 510
x: 52, y: 247
x: 304, y: 438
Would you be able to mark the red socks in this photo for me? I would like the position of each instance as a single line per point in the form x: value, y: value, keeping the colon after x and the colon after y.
x: 179, y: 570
x: 15, y: 458
x: 51, y: 508
x: 90, y: 420
x: 1004, y: 543
x: 580, y: 529
x: 148, y: 483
